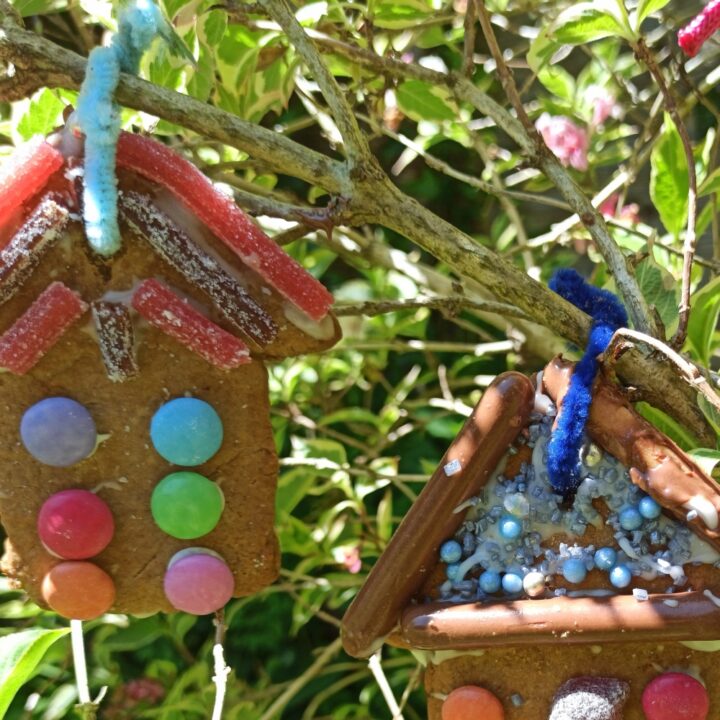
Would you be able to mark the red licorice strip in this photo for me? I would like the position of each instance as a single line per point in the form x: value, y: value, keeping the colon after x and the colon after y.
x: 39, y: 328
x: 693, y: 36
x: 116, y: 339
x: 176, y: 248
x: 25, y: 173
x: 168, y: 312
x: 35, y: 237
x: 164, y: 166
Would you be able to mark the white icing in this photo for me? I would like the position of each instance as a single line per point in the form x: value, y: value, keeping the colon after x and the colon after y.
x: 705, y: 509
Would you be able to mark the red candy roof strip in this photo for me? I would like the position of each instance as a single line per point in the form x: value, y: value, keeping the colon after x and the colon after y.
x: 168, y: 312
x: 39, y: 328
x: 159, y: 163
x: 25, y: 173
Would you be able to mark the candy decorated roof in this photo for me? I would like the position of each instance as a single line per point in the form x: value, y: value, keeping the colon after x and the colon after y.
x: 247, y: 296
x: 489, y: 502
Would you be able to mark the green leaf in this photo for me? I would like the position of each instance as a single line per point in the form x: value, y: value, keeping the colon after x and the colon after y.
x: 558, y: 81
x: 707, y: 459
x: 711, y: 413
x: 711, y: 183
x: 647, y: 7
x: 421, y: 101
x: 669, y: 179
x: 541, y: 51
x: 43, y: 115
x: 660, y: 289
x: 663, y: 422
x: 588, y: 21
x: 704, y: 312
x: 401, y: 14
x: 20, y: 654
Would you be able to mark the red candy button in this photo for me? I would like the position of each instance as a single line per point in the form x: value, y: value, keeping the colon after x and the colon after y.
x: 675, y: 696
x: 78, y: 590
x: 75, y: 524
x: 471, y: 702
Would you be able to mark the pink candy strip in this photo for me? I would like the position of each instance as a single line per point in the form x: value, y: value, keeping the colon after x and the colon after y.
x: 25, y: 173
x: 168, y: 312
x: 693, y: 36
x: 39, y: 328
x: 159, y: 163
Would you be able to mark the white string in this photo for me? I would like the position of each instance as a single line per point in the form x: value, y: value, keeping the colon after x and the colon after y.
x: 220, y: 679
x: 78, y: 651
x: 385, y: 689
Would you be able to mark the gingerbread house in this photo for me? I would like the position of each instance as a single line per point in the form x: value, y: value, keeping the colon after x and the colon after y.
x: 527, y: 605
x: 138, y: 464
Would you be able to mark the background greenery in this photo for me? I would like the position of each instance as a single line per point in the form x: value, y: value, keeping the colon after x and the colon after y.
x: 360, y: 428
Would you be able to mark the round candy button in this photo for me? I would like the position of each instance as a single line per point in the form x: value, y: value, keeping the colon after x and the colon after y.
x: 78, y: 590
x: 58, y: 431
x: 186, y: 431
x: 675, y: 696
x: 75, y: 524
x: 471, y: 701
x: 198, y: 581
x: 186, y: 505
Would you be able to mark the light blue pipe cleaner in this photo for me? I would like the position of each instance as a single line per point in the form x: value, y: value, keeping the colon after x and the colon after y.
x: 98, y: 116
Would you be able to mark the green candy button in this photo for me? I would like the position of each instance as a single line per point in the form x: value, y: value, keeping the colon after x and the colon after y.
x: 187, y: 505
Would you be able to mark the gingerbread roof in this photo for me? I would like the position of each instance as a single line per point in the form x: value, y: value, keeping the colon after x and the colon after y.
x: 392, y: 603
x: 254, y: 298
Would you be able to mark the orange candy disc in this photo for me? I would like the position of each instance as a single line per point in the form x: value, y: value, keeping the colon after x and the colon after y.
x: 470, y: 702
x: 78, y: 590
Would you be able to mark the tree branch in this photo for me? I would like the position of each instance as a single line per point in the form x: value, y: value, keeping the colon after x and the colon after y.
x: 643, y: 52
x: 356, y: 145
x: 452, y: 305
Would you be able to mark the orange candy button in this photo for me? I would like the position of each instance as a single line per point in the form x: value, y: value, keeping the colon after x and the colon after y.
x: 78, y: 590
x: 471, y: 702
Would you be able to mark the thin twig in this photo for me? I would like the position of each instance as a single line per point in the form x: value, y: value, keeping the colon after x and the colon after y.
x: 468, y: 68
x: 503, y: 71
x: 643, y: 53
x: 85, y: 707
x: 299, y: 682
x: 686, y: 369
x: 382, y: 681
x: 452, y: 305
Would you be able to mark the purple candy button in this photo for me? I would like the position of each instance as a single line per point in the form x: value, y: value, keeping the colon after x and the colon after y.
x: 198, y: 581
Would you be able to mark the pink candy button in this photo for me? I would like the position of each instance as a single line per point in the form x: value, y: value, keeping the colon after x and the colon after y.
x: 675, y: 696
x: 198, y: 581
x: 75, y: 524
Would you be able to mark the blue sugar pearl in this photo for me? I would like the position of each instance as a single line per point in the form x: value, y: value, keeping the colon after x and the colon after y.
x: 574, y: 570
x: 605, y: 558
x: 630, y: 519
x: 509, y: 527
x: 620, y: 576
x: 490, y: 581
x: 451, y: 571
x: 186, y: 431
x: 450, y: 551
x: 649, y: 509
x: 512, y: 583
x: 58, y: 432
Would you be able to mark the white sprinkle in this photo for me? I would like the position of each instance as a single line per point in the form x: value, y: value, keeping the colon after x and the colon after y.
x: 712, y: 597
x: 691, y: 515
x: 671, y: 602
x: 453, y: 468
x: 640, y: 594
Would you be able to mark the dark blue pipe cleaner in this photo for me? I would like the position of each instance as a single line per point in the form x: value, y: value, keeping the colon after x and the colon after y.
x: 608, y: 315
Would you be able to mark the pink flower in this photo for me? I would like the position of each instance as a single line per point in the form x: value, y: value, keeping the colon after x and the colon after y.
x: 567, y: 141
x: 352, y: 561
x: 609, y: 208
x: 603, y: 104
